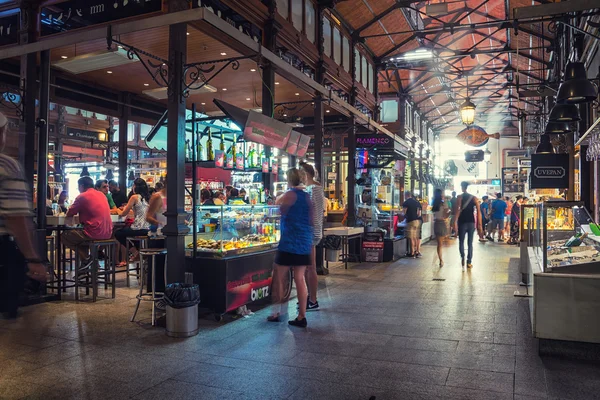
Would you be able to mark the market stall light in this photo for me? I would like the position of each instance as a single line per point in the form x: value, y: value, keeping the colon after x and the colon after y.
x: 131, y: 176
x: 564, y: 113
x: 109, y: 72
x: 576, y: 88
x: 109, y: 175
x: 84, y: 172
x: 223, y: 54
x: 557, y: 128
x: 467, y: 112
x: 545, y: 146
x: 102, y: 136
x: 64, y: 57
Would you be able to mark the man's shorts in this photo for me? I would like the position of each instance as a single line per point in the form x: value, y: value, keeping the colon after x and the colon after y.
x: 498, y: 224
x: 412, y: 229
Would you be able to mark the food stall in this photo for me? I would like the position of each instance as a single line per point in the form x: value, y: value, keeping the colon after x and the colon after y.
x: 563, y: 256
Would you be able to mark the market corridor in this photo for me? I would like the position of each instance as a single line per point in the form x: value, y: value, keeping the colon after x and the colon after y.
x: 406, y: 330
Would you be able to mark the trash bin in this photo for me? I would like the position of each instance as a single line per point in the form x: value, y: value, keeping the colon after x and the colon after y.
x: 333, y: 246
x: 182, y: 309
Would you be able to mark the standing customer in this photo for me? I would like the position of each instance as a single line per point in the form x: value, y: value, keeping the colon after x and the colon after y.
x: 317, y: 198
x: 468, y: 207
x: 453, y: 211
x: 440, y: 226
x: 484, y: 209
x: 412, y: 212
x: 499, y: 207
x: 295, y: 246
x: 94, y: 215
x: 515, y: 219
x: 16, y: 241
x: 139, y: 203
x: 157, y: 208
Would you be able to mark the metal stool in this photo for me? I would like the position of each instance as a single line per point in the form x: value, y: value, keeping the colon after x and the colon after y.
x: 90, y: 273
x: 136, y: 266
x: 153, y: 296
x: 50, y: 248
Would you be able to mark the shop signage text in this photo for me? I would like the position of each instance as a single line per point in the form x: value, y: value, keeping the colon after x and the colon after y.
x: 378, y: 141
x: 550, y: 171
x: 75, y: 14
x: 82, y: 134
x: 9, y: 29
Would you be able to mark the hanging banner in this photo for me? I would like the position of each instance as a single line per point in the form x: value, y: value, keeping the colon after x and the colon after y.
x: 465, y: 168
x: 9, y: 29
x: 303, y: 145
x: 292, y: 144
x: 549, y: 171
x: 75, y: 14
x: 268, y: 131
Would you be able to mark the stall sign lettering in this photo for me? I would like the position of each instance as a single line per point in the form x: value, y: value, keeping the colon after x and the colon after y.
x: 379, y: 141
x: 260, y: 293
x: 75, y: 14
x: 82, y: 134
x: 549, y: 171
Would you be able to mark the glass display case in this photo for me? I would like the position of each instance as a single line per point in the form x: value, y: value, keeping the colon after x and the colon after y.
x: 569, y: 237
x: 223, y: 231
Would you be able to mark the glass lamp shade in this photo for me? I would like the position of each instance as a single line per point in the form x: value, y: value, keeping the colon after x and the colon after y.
x: 467, y: 112
x: 564, y: 113
x: 557, y: 128
x: 109, y: 175
x: 576, y: 88
x: 131, y: 176
x: 545, y: 146
x: 84, y: 172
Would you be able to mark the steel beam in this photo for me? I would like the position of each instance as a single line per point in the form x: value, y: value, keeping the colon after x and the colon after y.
x: 42, y: 143
x: 123, y: 131
x: 561, y: 8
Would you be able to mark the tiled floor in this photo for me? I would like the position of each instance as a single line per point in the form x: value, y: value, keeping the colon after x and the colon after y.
x: 384, y: 330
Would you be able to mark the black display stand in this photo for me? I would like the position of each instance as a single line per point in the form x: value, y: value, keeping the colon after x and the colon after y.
x: 227, y: 283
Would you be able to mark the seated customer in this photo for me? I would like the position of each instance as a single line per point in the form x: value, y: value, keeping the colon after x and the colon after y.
x: 102, y: 186
x: 218, y: 197
x: 139, y: 204
x: 94, y: 215
x: 118, y: 195
x: 206, y: 198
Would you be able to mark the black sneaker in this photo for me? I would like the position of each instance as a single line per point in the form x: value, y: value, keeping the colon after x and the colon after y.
x: 301, y: 323
x: 491, y: 239
x: 312, y: 306
x: 418, y: 255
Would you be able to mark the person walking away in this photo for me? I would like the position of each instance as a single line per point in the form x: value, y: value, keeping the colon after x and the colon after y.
x: 139, y: 203
x: 295, y: 247
x: 509, y: 204
x: 16, y: 241
x: 317, y: 199
x: 468, y: 207
x: 94, y: 215
x: 498, y: 211
x: 441, y: 211
x: 484, y: 209
x: 119, y: 196
x: 453, y: 210
x: 412, y: 211
x: 515, y: 219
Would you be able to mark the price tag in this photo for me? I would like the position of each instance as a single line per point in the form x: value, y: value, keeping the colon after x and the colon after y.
x: 265, y: 165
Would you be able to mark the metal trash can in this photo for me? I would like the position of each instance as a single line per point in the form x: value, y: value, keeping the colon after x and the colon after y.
x: 182, y: 322
x: 332, y: 255
x: 182, y: 309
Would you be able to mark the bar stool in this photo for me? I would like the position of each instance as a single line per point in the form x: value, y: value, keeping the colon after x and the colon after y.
x: 93, y: 273
x: 153, y: 296
x: 142, y: 243
x: 50, y: 248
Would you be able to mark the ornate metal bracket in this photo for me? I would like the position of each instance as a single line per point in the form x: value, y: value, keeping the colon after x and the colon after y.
x: 195, y: 74
x: 154, y: 65
x: 282, y: 109
x: 12, y: 99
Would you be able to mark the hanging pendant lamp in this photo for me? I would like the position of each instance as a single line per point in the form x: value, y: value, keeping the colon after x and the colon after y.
x: 109, y: 175
x: 576, y: 88
x: 84, y: 172
x: 557, y: 128
x: 131, y: 176
x: 545, y: 146
x: 467, y: 109
x: 564, y: 113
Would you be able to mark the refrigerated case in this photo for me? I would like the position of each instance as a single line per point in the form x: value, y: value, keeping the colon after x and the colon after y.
x: 230, y: 253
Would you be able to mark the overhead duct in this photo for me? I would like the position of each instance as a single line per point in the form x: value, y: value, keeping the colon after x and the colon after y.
x: 95, y: 61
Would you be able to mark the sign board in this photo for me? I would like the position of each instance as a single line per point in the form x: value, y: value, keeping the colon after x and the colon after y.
x: 474, y: 155
x: 525, y: 163
x: 292, y: 144
x: 82, y: 133
x: 303, y: 145
x: 496, y: 182
x: 9, y: 29
x: 331, y: 176
x: 75, y: 14
x: 374, y: 141
x: 549, y: 171
x: 466, y: 168
x: 372, y: 247
x: 268, y: 131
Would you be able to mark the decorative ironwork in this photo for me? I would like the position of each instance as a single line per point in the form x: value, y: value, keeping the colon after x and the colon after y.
x: 155, y: 66
x: 12, y: 98
x: 282, y: 109
x: 195, y: 74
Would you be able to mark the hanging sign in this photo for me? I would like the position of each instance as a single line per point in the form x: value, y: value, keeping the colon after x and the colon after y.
x: 9, y: 29
x: 265, y: 165
x: 75, y: 14
x: 219, y: 158
x: 82, y: 133
x: 292, y: 144
x: 549, y: 171
x: 303, y: 145
x: 374, y: 141
x: 268, y: 131
x: 474, y: 155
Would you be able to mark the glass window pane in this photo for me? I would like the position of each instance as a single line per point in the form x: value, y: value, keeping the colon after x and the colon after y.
x: 130, y: 131
x: 297, y: 14
x: 389, y: 111
x: 346, y: 53
x: 282, y: 8
x: 337, y: 46
x: 364, y: 71
x: 310, y: 21
x: 327, y: 36
x: 370, y: 78
x: 357, y: 64
x: 144, y: 130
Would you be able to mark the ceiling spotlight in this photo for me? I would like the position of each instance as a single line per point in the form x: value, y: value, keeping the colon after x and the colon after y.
x: 285, y: 115
x: 223, y: 54
x: 109, y: 72
x: 146, y: 84
x: 277, y: 83
x: 576, y: 88
x: 224, y: 89
x: 327, y: 111
x: 248, y: 99
x: 545, y: 146
x: 297, y: 94
x: 64, y: 57
x: 203, y: 104
x: 564, y: 113
x: 187, y: 33
x: 252, y: 69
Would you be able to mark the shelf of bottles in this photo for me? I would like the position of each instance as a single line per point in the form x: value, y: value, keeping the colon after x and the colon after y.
x: 229, y: 151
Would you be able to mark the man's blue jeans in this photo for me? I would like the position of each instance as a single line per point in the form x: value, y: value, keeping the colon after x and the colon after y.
x: 466, y: 229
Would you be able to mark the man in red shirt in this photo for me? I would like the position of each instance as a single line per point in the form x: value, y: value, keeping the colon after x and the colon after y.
x: 94, y: 215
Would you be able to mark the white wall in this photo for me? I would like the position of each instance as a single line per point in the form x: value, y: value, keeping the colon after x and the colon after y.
x: 496, y: 159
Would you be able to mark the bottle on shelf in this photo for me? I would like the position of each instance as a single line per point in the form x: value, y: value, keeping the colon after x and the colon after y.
x: 263, y: 157
x: 222, y: 145
x: 199, y: 148
x: 234, y: 150
x: 251, y: 160
x: 188, y: 152
x: 240, y: 155
x: 210, y: 154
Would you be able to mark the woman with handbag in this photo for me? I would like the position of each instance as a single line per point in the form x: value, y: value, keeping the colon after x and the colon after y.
x: 441, y: 212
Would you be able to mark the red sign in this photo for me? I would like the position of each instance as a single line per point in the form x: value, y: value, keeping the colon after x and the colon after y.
x: 292, y: 144
x: 264, y: 130
x: 265, y: 165
x: 372, y: 245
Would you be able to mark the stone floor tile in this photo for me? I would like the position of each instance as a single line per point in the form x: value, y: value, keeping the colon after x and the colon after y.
x: 482, y: 380
x: 423, y: 343
x: 185, y: 390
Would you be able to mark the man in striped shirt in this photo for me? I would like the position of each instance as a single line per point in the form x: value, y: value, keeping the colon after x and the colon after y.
x: 16, y: 242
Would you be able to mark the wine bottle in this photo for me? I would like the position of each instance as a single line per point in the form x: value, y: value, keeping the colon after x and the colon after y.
x: 188, y: 153
x: 210, y: 154
x: 251, y: 157
x: 199, y: 148
x: 234, y: 150
x: 222, y: 145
